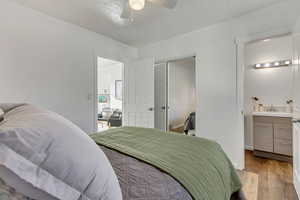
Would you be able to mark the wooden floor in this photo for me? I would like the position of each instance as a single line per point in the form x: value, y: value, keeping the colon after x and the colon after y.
x: 178, y: 130
x: 275, y: 178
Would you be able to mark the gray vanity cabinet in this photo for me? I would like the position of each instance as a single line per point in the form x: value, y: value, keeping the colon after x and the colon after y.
x: 273, y: 135
x: 283, y: 139
x: 263, y: 139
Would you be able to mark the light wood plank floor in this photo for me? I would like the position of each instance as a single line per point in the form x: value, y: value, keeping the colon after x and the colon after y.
x: 275, y: 178
x: 178, y: 130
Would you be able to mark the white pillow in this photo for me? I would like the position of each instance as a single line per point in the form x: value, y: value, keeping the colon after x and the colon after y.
x: 55, y: 157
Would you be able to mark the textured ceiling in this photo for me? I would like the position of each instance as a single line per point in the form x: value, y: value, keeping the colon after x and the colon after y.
x: 149, y: 25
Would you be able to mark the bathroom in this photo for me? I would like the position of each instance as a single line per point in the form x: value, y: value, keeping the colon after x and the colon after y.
x: 268, y: 102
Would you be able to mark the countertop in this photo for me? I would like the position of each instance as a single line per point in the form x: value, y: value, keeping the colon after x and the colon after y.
x: 273, y: 114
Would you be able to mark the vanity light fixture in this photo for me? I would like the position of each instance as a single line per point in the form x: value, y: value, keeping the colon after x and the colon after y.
x: 282, y: 63
x: 287, y: 62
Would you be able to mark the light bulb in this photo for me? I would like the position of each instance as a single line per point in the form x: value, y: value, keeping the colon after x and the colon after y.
x: 287, y: 62
x: 267, y: 65
x: 137, y: 4
x: 258, y: 65
x: 276, y: 64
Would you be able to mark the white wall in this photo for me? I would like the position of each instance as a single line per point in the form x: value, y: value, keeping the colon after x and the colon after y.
x: 215, y: 69
x: 272, y: 86
x: 217, y: 105
x: 50, y: 63
x: 108, y: 73
x: 182, y: 91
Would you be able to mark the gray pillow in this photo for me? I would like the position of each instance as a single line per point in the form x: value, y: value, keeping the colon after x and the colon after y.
x: 9, y: 106
x: 9, y: 193
x: 55, y: 156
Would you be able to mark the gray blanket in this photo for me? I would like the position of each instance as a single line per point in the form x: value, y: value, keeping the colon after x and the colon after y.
x: 141, y: 181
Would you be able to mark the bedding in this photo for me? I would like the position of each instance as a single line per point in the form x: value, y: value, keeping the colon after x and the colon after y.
x: 9, y: 193
x: 9, y: 106
x: 54, y: 157
x: 199, y: 165
x: 141, y: 181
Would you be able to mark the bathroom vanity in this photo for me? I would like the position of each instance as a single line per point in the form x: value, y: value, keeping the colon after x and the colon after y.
x: 273, y: 135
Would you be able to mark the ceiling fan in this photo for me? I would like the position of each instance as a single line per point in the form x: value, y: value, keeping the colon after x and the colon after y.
x: 130, y: 5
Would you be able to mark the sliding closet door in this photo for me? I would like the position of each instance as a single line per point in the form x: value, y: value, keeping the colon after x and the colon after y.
x: 161, y: 96
x: 139, y: 93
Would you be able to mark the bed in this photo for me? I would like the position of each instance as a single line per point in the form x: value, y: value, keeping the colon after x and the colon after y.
x: 155, y: 165
x: 145, y: 164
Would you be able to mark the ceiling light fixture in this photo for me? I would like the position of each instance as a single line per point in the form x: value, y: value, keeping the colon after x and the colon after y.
x: 267, y: 65
x: 137, y: 4
x: 276, y: 64
x: 266, y: 40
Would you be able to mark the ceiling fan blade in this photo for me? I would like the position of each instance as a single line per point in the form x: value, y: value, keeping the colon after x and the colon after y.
x: 126, y: 12
x: 165, y: 3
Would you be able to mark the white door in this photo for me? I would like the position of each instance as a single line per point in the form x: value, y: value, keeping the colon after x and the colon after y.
x: 240, y: 51
x: 296, y: 124
x: 161, y: 96
x: 139, y: 93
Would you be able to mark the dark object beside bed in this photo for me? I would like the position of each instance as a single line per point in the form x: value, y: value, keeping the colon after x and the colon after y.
x: 190, y: 123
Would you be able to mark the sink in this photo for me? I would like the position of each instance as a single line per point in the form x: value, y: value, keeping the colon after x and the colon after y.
x: 273, y: 114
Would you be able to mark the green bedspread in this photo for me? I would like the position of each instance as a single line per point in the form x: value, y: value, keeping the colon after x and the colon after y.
x: 200, y: 165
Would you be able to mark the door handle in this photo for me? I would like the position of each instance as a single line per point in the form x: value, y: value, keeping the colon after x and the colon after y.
x: 150, y: 109
x: 165, y: 107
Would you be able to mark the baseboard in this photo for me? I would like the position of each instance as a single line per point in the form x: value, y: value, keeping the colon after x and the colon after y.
x: 297, y: 182
x: 238, y: 167
x: 248, y: 147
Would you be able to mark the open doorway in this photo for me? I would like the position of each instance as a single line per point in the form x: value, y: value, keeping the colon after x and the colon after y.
x: 265, y: 78
x: 175, y: 95
x: 268, y: 97
x: 110, y: 94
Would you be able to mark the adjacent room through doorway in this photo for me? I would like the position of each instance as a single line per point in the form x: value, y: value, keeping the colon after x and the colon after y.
x: 268, y: 112
x: 175, y: 95
x: 110, y: 93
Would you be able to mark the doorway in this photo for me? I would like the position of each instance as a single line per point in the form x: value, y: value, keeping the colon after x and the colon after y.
x: 110, y: 94
x: 175, y: 95
x: 265, y: 96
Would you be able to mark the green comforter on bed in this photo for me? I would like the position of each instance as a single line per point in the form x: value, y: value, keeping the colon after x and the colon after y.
x: 200, y: 165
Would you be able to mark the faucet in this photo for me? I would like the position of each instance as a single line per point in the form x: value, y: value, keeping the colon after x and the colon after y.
x: 272, y: 108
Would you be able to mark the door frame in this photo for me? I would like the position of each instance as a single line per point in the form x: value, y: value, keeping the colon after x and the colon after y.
x: 240, y: 43
x: 167, y: 60
x: 95, y: 96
